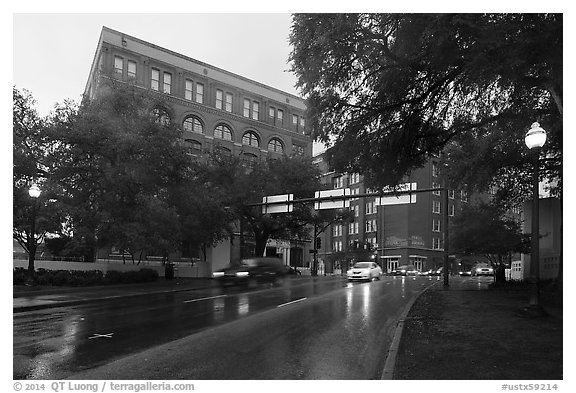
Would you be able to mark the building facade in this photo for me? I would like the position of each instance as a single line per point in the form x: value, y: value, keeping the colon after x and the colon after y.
x: 215, y: 108
x: 397, y: 233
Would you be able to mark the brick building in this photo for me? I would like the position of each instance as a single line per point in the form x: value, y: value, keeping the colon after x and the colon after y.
x: 215, y: 108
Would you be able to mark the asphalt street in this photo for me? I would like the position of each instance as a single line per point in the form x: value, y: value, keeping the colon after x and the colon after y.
x: 303, y: 330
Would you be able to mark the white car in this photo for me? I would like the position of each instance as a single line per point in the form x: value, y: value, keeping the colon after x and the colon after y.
x: 364, y: 271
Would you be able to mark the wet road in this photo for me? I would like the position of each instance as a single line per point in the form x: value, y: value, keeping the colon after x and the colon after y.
x: 303, y: 330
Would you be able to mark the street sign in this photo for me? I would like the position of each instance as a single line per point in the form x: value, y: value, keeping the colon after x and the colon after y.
x: 328, y: 204
x: 275, y: 204
x: 400, y: 199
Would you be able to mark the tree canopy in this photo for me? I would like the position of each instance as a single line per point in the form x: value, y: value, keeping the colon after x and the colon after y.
x: 389, y: 91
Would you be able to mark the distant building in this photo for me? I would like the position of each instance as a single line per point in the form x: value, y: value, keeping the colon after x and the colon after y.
x: 215, y: 108
x: 398, y: 234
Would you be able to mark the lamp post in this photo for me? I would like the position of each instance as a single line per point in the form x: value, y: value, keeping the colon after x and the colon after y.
x: 34, y: 192
x: 535, y: 139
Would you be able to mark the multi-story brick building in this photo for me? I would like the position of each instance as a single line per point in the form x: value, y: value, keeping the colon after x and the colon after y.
x: 398, y: 234
x: 215, y: 108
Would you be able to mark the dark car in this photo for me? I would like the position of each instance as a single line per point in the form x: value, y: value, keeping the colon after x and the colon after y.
x: 289, y: 270
x: 251, y: 272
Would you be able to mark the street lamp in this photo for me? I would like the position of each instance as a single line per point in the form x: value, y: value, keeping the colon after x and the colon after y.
x: 535, y: 139
x: 34, y: 192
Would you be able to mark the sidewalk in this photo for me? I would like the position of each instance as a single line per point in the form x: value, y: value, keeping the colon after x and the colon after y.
x: 468, y: 333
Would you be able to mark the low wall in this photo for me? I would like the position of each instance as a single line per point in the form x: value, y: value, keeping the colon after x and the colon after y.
x: 181, y: 269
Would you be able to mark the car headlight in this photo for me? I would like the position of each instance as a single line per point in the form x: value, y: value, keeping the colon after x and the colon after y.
x: 403, y: 271
x: 242, y: 274
x: 217, y: 274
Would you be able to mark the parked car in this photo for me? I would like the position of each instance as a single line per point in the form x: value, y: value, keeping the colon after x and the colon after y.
x: 405, y: 270
x: 251, y: 272
x: 364, y: 271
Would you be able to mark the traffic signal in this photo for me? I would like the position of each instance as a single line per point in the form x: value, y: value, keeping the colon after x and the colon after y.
x: 318, y: 243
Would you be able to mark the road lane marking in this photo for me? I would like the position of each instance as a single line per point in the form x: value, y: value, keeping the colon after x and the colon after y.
x: 96, y: 335
x: 292, y: 302
x: 204, y: 298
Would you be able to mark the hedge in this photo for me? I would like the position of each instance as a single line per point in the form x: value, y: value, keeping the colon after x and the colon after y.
x: 79, y: 278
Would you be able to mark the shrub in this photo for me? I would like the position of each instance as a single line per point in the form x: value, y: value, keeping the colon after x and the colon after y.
x: 20, y: 275
x: 78, y: 278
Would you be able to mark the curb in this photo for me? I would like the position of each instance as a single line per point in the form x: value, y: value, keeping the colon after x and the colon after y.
x: 388, y: 371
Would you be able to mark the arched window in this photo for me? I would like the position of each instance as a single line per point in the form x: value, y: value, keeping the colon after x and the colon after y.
x: 223, y: 150
x: 250, y: 139
x: 275, y: 145
x: 194, y: 147
x: 193, y: 124
x: 222, y: 131
x: 161, y: 116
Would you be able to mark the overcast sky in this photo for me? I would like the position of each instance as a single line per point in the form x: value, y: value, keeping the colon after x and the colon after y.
x: 53, y: 52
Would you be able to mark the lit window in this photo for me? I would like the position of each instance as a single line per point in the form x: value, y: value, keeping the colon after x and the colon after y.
x: 434, y: 169
x: 222, y: 131
x: 155, y: 79
x: 276, y: 145
x: 193, y: 124
x: 436, y: 185
x: 246, y: 107
x: 118, y: 65
x: 302, y: 122
x: 167, y: 83
x: 131, y: 70
x: 228, y: 102
x: 189, y: 87
x: 255, y: 110
x: 250, y: 139
x: 199, y: 93
x: 435, y: 206
x: 219, y: 99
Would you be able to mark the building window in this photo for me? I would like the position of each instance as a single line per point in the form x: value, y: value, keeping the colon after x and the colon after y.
x: 435, y: 185
x: 250, y: 139
x: 167, y: 83
x: 194, y: 147
x: 246, y: 107
x: 436, y: 225
x: 356, y: 210
x: 434, y: 169
x: 250, y: 159
x: 222, y: 131
x: 302, y: 122
x: 255, y: 110
x: 297, y: 150
x: 188, y: 89
x: 436, y: 207
x: 338, y: 182
x: 353, y: 228
x: 155, y: 79
x: 161, y: 116
x: 271, y: 112
x: 337, y: 230
x: 280, y: 116
x: 436, y: 244
x: 337, y: 246
x: 228, y: 102
x: 276, y: 145
x: 131, y: 70
x: 223, y: 150
x: 464, y: 196
x: 354, y: 178
x: 371, y: 226
x: 193, y: 124
x: 370, y: 207
x: 295, y: 120
x: 451, y: 210
x: 118, y: 65
x: 199, y: 93
x: 451, y: 194
x: 219, y: 99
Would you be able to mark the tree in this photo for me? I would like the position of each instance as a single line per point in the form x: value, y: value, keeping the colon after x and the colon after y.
x: 115, y: 163
x: 484, y: 229
x: 389, y: 91
x: 243, y: 183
